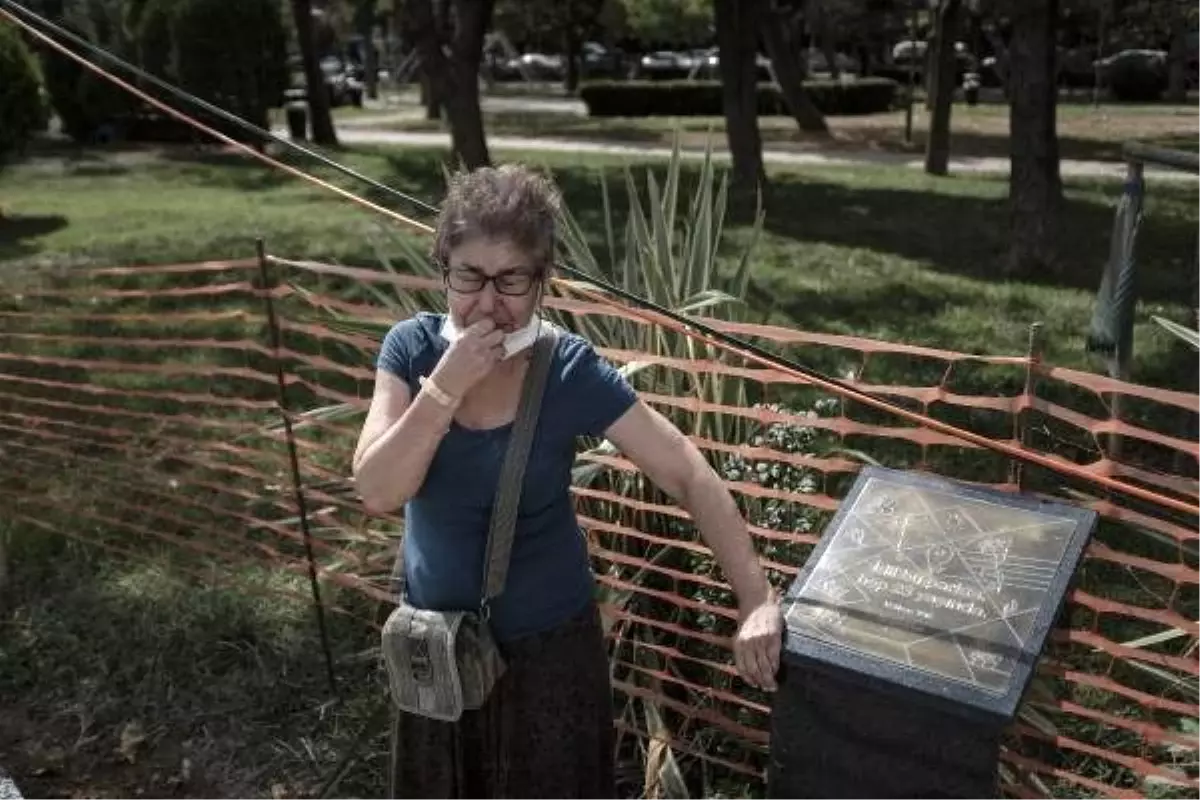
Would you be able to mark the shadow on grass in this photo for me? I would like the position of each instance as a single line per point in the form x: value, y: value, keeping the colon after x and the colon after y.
x: 18, y: 232
x: 226, y: 169
x: 967, y: 234
x: 113, y: 674
x: 974, y: 144
x: 957, y: 226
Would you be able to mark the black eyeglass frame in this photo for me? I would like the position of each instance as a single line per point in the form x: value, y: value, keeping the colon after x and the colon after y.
x: 535, y: 277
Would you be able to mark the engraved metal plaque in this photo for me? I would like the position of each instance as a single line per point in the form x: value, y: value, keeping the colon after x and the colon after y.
x: 938, y: 586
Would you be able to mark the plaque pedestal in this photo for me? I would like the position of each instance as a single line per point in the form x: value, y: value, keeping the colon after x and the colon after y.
x: 833, y: 737
x: 912, y: 633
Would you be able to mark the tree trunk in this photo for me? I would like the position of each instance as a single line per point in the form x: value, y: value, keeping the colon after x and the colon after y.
x: 455, y: 80
x: 942, y: 84
x: 318, y: 94
x: 737, y: 23
x: 1003, y: 62
x: 431, y: 97
x: 1177, y: 55
x: 827, y: 41
x: 1035, y: 186
x: 789, y: 72
x: 570, y: 49
x: 364, y: 19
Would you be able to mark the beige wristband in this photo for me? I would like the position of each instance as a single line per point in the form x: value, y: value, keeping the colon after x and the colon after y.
x: 437, y: 393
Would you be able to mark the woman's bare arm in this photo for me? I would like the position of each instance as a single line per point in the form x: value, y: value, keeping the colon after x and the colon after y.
x: 676, y: 466
x: 397, y: 443
x: 401, y: 433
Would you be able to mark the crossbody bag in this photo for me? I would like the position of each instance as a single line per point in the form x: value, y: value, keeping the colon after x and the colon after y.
x: 442, y: 663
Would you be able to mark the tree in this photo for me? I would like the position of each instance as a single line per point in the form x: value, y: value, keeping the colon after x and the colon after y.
x: 451, y: 65
x: 1178, y: 27
x: 22, y: 112
x: 669, y: 21
x: 82, y: 100
x: 318, y: 96
x: 737, y: 23
x: 820, y: 16
x: 1035, y: 186
x: 790, y: 71
x: 234, y: 55
x: 945, y: 32
x: 366, y: 14
x: 555, y: 25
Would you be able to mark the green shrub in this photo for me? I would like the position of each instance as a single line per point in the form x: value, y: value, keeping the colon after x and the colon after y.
x: 22, y: 110
x: 82, y: 100
x: 703, y: 98
x: 234, y: 55
x: 1137, y: 76
x: 149, y: 22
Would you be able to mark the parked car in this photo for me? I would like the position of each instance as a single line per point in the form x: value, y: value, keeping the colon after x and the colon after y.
x: 343, y: 80
x: 691, y: 65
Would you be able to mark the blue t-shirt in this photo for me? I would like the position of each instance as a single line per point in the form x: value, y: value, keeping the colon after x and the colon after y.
x: 446, y: 522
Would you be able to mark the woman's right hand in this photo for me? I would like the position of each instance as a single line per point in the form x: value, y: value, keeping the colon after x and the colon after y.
x: 470, y: 358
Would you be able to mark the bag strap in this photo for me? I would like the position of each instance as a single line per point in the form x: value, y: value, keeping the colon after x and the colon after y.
x: 512, y: 472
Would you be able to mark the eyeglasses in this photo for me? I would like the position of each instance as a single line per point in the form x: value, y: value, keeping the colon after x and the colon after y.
x: 513, y: 282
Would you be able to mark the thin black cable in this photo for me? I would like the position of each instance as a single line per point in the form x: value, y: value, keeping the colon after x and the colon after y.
x: 851, y: 392
x: 188, y: 97
x: 633, y: 298
x: 226, y: 115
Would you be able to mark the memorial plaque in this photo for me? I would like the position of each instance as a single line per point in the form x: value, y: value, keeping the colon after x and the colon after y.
x: 912, y: 632
x: 937, y: 586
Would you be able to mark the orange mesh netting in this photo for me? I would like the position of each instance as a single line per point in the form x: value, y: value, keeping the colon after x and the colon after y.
x: 140, y: 405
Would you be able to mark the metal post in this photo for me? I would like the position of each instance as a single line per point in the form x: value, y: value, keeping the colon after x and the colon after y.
x: 297, y: 482
x: 1119, y: 364
x: 1020, y: 423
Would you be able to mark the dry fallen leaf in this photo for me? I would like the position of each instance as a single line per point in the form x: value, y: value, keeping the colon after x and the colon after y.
x: 47, y: 760
x: 132, y: 736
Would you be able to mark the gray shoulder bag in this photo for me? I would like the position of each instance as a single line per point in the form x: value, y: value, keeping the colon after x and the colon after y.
x: 441, y: 663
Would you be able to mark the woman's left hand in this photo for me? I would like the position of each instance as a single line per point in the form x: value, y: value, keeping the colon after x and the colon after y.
x: 757, y: 646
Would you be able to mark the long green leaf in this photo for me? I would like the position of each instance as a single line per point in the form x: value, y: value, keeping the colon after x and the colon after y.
x: 1186, y: 334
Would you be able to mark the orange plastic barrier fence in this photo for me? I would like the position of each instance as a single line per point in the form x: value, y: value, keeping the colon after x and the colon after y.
x: 152, y: 394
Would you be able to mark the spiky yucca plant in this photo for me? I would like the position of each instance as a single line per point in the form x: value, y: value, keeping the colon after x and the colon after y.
x: 670, y: 241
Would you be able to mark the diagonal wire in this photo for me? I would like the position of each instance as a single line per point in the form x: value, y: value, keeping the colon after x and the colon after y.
x: 643, y: 308
x: 187, y: 97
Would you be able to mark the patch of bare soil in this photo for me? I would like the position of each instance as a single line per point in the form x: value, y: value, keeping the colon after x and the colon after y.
x: 63, y: 756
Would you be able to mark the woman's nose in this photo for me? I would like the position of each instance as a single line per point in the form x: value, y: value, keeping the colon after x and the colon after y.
x: 485, y: 299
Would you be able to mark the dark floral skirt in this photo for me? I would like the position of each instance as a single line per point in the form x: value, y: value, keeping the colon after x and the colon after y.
x: 546, y: 731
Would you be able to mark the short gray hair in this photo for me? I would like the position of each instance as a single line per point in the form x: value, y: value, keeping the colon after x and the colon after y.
x: 509, y: 202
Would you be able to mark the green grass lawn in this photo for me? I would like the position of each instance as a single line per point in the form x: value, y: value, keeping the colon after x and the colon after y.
x: 234, y: 685
x: 879, y: 252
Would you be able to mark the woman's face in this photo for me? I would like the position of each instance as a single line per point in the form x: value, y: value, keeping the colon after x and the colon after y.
x: 492, y: 279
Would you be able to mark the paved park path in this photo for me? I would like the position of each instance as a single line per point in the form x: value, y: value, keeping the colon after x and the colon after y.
x: 368, y: 131
x: 367, y: 134
x: 371, y: 130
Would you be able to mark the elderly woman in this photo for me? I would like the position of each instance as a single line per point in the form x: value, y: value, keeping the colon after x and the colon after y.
x: 446, y: 393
